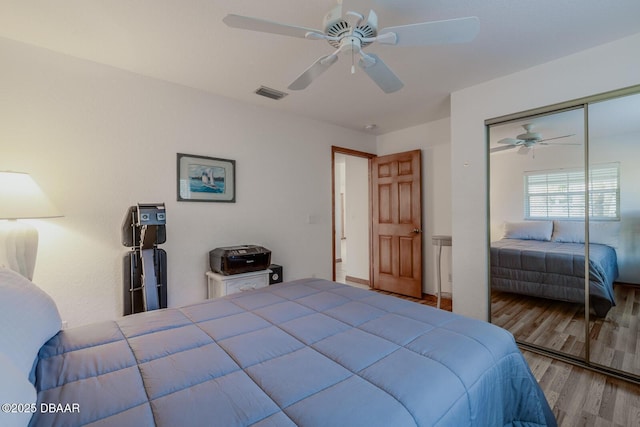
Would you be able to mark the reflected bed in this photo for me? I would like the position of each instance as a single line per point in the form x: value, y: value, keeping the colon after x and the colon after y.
x: 555, y: 270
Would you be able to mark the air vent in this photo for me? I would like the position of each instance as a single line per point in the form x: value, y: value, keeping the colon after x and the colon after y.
x: 270, y: 93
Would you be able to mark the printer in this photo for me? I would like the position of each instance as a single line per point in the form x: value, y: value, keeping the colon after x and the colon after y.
x: 239, y: 259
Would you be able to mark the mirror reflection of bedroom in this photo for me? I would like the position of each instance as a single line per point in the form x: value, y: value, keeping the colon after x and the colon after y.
x: 537, y: 230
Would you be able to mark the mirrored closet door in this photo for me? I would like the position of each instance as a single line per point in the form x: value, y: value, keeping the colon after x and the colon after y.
x: 536, y: 184
x: 564, y: 188
x: 614, y: 229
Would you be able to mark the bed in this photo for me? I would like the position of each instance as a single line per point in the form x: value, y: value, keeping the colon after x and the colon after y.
x: 552, y: 266
x: 308, y: 352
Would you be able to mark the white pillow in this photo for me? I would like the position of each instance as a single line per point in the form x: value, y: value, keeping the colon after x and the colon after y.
x: 28, y: 319
x: 604, y: 233
x: 568, y: 231
x: 16, y: 389
x: 528, y: 230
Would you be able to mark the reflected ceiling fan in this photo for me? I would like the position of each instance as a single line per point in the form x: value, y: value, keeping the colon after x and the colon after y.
x: 352, y: 32
x: 528, y: 140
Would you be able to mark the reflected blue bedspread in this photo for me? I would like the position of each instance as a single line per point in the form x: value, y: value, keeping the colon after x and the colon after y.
x: 555, y: 270
x: 308, y: 353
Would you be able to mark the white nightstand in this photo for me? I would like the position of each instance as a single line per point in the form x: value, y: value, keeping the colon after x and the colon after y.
x: 220, y: 285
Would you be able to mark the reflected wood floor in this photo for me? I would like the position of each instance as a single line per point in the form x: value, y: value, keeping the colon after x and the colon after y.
x: 553, y: 324
x: 614, y: 339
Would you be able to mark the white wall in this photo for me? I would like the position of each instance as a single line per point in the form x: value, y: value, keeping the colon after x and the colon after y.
x: 507, y: 168
x: 624, y: 149
x: 434, y: 140
x: 611, y: 139
x: 98, y: 140
x: 507, y: 186
x: 604, y: 68
x: 357, y: 216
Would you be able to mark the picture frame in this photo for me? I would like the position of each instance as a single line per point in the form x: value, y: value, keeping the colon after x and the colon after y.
x: 205, y: 179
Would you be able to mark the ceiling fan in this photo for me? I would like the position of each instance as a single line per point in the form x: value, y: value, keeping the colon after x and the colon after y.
x: 527, y: 140
x: 351, y: 33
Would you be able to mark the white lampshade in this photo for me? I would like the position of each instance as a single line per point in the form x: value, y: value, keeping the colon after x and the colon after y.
x: 21, y: 198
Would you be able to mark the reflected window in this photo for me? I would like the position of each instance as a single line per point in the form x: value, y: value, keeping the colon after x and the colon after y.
x: 559, y: 194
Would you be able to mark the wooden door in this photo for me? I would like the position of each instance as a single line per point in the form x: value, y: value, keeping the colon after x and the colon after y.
x: 397, y: 223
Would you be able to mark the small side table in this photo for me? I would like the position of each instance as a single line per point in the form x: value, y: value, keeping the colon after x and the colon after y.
x: 440, y: 241
x: 220, y: 285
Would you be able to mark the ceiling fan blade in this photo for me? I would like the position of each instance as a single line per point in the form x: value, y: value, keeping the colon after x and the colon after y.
x: 372, y: 19
x: 557, y: 137
x: 503, y: 148
x: 265, y: 26
x: 459, y: 30
x: 380, y: 74
x: 510, y: 141
x: 313, y: 72
x: 559, y: 143
x: 353, y: 19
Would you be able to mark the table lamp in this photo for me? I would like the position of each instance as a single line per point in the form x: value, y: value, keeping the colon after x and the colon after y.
x: 21, y: 198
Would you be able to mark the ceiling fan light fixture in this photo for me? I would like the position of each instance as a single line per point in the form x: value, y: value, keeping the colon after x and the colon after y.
x: 529, y: 136
x: 352, y: 32
x: 528, y: 140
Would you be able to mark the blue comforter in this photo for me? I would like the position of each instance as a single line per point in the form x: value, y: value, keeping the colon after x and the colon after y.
x: 308, y: 353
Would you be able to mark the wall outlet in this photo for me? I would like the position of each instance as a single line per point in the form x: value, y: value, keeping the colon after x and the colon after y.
x: 450, y: 280
x: 65, y: 324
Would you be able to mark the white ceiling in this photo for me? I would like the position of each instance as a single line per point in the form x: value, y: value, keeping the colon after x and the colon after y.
x: 186, y: 42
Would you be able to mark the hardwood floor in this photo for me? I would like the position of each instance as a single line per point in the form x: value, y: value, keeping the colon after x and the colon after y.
x: 432, y: 300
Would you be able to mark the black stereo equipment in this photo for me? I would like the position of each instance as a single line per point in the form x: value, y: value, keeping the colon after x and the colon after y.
x: 239, y: 259
x: 276, y: 274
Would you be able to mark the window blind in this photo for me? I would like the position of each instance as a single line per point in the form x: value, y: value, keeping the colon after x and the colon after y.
x: 560, y: 194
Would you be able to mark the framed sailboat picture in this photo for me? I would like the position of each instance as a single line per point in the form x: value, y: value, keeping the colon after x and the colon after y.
x: 206, y: 179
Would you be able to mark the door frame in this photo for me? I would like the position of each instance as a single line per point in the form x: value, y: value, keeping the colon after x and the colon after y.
x: 349, y: 152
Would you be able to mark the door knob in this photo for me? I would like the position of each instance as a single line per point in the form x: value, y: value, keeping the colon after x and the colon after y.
x: 417, y: 231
